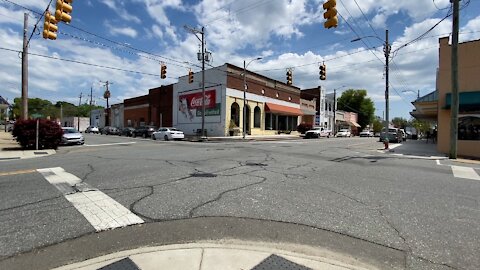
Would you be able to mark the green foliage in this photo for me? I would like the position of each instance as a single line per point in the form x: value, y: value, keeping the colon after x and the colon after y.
x: 399, y: 122
x: 420, y: 125
x: 377, y: 125
x: 49, y: 133
x: 356, y: 100
x: 45, y: 108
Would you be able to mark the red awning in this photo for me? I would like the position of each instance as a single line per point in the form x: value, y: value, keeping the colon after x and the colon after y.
x: 283, y: 110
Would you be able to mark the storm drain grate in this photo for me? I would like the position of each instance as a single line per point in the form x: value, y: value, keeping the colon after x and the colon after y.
x: 203, y: 175
x: 274, y: 262
x: 255, y: 164
x: 40, y: 153
x: 124, y: 264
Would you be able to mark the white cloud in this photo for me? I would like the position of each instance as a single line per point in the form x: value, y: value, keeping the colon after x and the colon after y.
x: 126, y: 31
x: 117, y: 6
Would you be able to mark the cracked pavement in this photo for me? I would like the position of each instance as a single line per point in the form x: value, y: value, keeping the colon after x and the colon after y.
x: 338, y: 185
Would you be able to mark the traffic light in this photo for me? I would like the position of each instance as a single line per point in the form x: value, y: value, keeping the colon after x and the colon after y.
x: 323, y: 72
x: 330, y: 14
x: 289, y: 77
x: 50, y: 27
x: 190, y: 76
x: 64, y: 8
x: 163, y: 71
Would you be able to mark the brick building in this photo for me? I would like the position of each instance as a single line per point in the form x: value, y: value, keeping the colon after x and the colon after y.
x: 271, y: 106
x: 155, y: 108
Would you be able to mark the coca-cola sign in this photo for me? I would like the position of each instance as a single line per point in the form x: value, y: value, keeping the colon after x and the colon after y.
x: 194, y: 101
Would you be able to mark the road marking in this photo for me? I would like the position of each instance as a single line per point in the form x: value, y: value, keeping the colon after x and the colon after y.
x: 98, y: 208
x: 16, y: 172
x: 465, y: 172
x: 107, y: 144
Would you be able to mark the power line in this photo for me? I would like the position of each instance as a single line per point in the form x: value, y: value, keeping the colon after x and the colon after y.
x: 365, y: 17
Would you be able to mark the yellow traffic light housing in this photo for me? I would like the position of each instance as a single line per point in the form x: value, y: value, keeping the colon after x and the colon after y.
x: 330, y: 14
x: 163, y: 71
x: 50, y: 27
x: 289, y: 77
x: 64, y: 8
x: 323, y: 72
x: 190, y: 76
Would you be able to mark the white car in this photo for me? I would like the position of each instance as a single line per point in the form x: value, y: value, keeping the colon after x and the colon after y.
x: 168, y: 133
x: 344, y: 133
x: 366, y: 133
x: 92, y: 129
x: 317, y: 132
x: 71, y: 136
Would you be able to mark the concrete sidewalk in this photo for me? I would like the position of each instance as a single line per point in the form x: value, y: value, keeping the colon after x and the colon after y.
x: 415, y: 149
x: 215, y: 256
x: 10, y: 149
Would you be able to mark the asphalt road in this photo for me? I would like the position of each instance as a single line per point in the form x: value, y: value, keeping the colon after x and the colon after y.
x: 337, y: 185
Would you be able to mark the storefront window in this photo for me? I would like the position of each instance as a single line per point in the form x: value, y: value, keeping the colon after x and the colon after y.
x: 268, y: 121
x: 469, y: 127
x: 235, y: 114
x: 256, y: 117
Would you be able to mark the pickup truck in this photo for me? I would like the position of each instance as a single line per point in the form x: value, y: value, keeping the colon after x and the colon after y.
x: 318, y: 132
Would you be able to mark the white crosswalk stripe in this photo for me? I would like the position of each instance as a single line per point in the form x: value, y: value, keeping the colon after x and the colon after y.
x: 98, y: 208
x: 465, y: 172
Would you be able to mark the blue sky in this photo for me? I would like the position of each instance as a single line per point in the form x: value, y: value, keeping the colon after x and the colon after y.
x: 285, y: 33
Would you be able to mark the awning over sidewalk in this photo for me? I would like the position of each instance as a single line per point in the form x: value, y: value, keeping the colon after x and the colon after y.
x: 353, y: 123
x: 283, y: 110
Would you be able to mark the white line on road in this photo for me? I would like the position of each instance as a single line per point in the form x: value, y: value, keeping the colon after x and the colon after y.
x: 465, y: 172
x: 106, y: 144
x: 98, y: 208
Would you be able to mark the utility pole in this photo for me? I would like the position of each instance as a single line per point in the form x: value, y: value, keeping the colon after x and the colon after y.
x: 106, y: 95
x: 78, y: 111
x: 202, y: 55
x: 25, y: 69
x: 203, y: 84
x: 334, y: 111
x: 455, y: 103
x: 91, y: 98
x: 386, y: 49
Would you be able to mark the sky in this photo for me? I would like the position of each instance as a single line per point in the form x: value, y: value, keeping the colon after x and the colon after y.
x: 125, y: 42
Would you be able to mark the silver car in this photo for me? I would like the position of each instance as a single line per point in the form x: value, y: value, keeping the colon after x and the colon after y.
x: 71, y: 136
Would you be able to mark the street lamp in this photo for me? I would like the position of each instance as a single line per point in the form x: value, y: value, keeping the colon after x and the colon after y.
x: 245, y: 94
x: 386, y: 50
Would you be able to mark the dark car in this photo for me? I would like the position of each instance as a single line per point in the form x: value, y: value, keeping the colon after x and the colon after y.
x: 108, y: 130
x: 128, y: 131
x: 144, y: 131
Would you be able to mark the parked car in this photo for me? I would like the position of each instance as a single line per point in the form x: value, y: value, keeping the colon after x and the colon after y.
x: 394, y: 135
x: 144, y: 131
x: 404, y: 134
x: 71, y: 136
x: 168, y: 133
x: 128, y: 131
x: 92, y: 129
x: 317, y: 132
x: 109, y: 130
x: 344, y: 133
x: 366, y: 133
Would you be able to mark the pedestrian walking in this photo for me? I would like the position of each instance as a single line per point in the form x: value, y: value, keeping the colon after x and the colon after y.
x: 434, y: 136
x: 428, y: 135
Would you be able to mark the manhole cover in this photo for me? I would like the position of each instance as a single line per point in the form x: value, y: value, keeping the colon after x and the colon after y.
x: 203, y: 175
x: 255, y: 164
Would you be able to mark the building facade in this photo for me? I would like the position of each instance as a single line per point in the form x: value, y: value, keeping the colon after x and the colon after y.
x: 468, y: 143
x: 154, y: 109
x: 271, y: 107
x: 325, y: 106
x: 116, y: 115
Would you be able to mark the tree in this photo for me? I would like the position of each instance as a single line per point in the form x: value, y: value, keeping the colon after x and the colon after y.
x: 420, y: 125
x: 399, y: 122
x: 357, y: 101
x: 377, y: 125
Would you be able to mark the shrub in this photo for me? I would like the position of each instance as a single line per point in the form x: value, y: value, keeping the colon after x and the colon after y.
x: 49, y: 133
x: 303, y: 127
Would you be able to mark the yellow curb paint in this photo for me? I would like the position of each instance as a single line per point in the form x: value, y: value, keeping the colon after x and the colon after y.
x: 17, y: 172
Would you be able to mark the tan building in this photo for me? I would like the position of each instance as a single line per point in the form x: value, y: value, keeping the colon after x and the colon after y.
x: 436, y: 105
